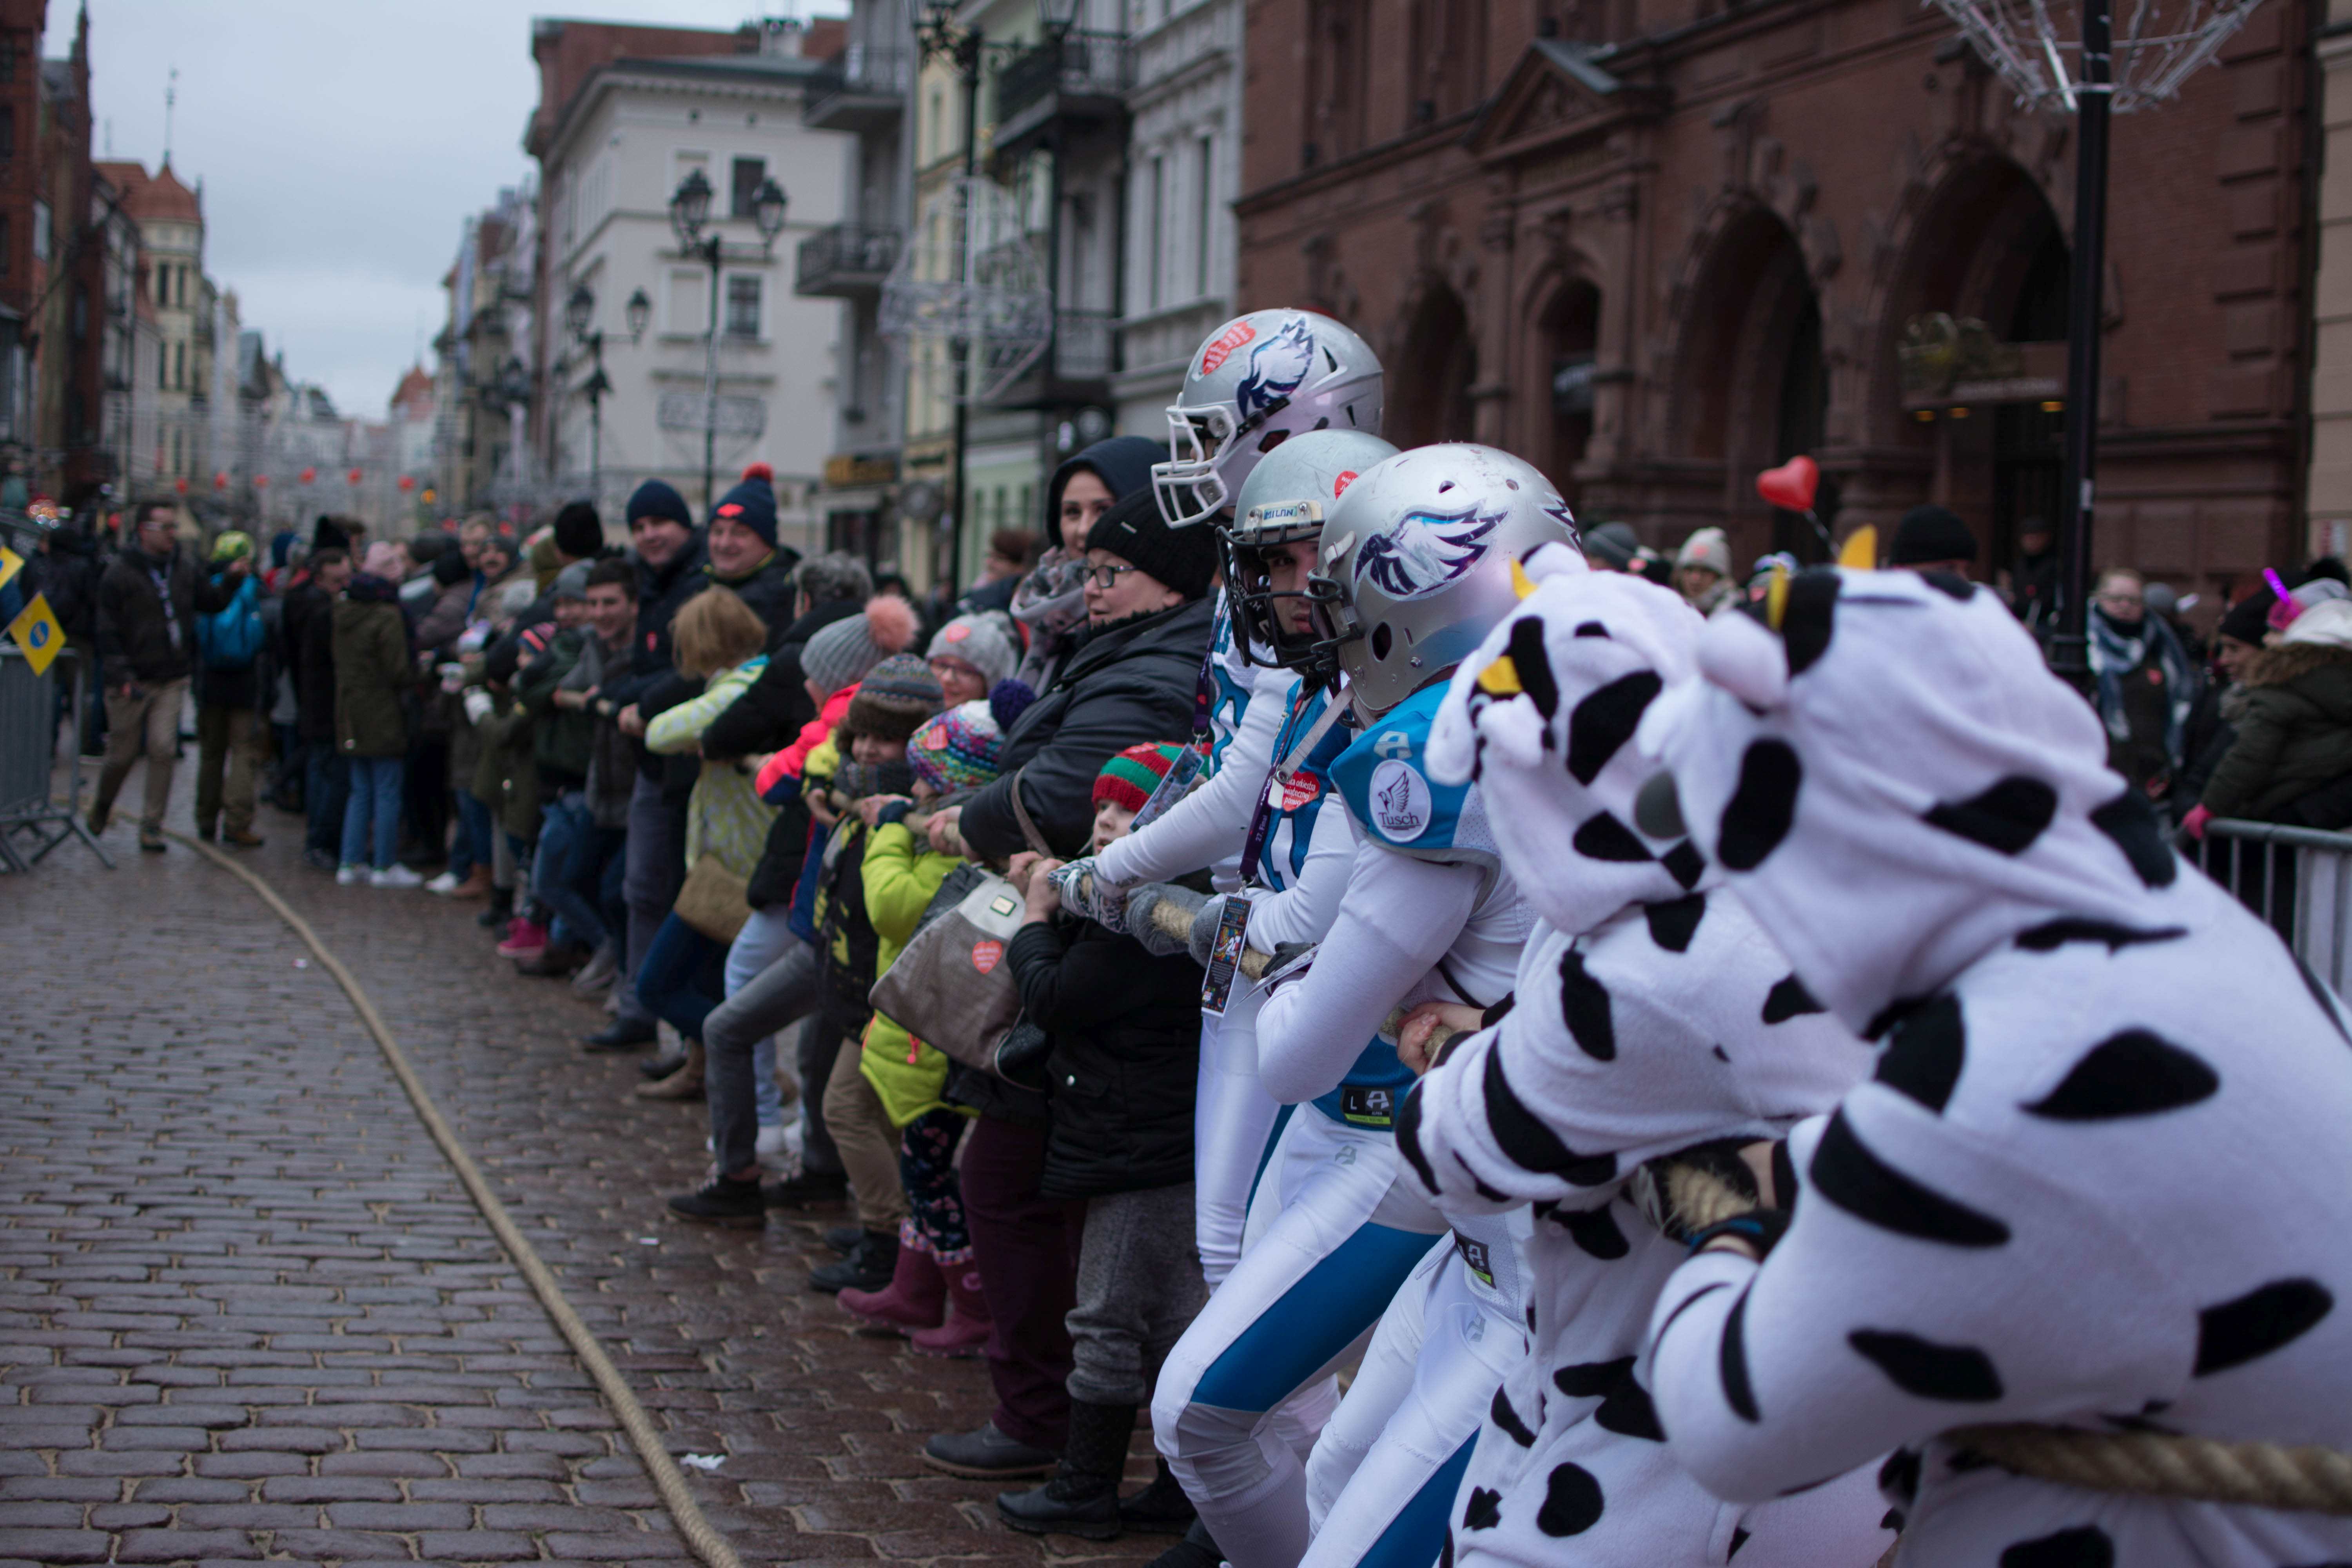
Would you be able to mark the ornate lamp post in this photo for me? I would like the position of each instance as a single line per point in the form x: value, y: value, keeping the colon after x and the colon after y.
x: 689, y: 215
x: 578, y: 312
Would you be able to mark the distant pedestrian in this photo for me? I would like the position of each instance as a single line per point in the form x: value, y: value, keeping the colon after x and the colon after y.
x: 1703, y: 570
x: 2146, y: 685
x: 148, y: 602
x: 372, y: 670
x: 234, y: 680
x: 310, y: 641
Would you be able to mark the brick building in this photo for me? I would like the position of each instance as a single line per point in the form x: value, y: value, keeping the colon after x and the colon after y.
x: 1656, y: 246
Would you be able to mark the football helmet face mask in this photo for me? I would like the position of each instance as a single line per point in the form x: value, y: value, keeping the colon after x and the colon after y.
x: 1284, y: 502
x: 1257, y: 381
x: 1416, y: 564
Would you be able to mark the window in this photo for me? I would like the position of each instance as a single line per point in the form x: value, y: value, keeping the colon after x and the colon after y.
x: 40, y: 231
x: 749, y: 174
x: 1157, y: 244
x: 179, y: 365
x: 742, y: 307
x: 1204, y: 186
x: 163, y: 369
x: 180, y: 288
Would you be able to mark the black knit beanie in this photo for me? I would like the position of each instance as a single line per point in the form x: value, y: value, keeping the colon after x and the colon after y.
x: 1132, y: 529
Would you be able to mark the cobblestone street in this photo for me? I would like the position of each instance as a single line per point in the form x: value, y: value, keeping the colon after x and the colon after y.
x: 247, y: 1311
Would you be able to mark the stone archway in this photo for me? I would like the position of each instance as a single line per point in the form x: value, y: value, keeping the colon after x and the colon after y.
x: 1567, y: 329
x: 1429, y: 380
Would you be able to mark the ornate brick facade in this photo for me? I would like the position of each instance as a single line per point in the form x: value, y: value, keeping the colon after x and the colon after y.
x: 1656, y: 265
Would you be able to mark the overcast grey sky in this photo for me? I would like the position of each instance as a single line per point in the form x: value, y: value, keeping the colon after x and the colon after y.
x: 341, y: 145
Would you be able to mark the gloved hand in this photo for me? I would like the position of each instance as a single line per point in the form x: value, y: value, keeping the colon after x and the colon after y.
x: 2194, y: 823
x: 1160, y: 916
x: 477, y: 705
x: 1206, y: 921
x: 1086, y: 895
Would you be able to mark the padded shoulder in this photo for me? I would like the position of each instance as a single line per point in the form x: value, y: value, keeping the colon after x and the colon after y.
x: 1384, y: 775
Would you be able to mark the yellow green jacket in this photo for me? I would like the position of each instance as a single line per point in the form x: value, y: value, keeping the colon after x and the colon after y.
x: 725, y: 815
x: 901, y: 878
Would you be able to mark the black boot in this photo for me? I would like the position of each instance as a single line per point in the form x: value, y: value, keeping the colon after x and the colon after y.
x: 1195, y: 1550
x: 868, y: 1266
x: 1159, y: 1508
x: 1082, y: 1498
x: 501, y: 911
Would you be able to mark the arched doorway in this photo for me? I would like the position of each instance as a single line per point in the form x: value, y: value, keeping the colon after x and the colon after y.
x: 1429, y: 382
x: 1571, y: 329
x: 1752, y: 387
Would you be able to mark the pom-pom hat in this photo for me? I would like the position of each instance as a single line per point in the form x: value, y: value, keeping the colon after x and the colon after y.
x: 956, y: 750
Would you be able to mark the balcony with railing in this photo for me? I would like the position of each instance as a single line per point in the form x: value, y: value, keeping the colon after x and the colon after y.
x: 1075, y: 369
x: 847, y: 261
x: 864, y: 88
x: 1080, y: 78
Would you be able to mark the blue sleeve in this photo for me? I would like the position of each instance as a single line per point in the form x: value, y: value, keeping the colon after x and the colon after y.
x: 1383, y: 776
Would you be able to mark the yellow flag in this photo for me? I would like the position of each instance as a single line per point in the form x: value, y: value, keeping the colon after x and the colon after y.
x: 38, y: 632
x: 10, y: 564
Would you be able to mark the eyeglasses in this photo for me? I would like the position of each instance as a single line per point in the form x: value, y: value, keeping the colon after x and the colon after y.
x: 1107, y: 576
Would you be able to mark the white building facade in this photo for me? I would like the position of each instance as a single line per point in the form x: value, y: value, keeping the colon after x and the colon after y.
x: 629, y: 136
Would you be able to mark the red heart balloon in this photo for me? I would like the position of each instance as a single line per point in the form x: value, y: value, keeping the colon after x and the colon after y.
x: 1791, y: 485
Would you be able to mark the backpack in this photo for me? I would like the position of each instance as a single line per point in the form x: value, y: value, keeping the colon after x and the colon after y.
x: 231, y: 638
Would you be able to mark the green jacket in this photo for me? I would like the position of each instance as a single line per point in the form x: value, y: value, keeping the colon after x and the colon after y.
x: 901, y: 879
x: 370, y: 670
x: 2294, y: 735
x: 507, y: 778
x: 562, y: 739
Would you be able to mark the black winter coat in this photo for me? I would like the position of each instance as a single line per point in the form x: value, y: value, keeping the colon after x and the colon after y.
x: 769, y: 591
x: 308, y: 619
x: 1125, y: 684
x: 134, y: 637
x: 661, y: 590
x: 1126, y: 1028
x: 68, y: 576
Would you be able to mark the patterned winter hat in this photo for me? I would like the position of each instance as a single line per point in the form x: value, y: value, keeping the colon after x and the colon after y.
x: 894, y: 699
x: 1129, y: 777
x: 980, y: 641
x: 957, y: 749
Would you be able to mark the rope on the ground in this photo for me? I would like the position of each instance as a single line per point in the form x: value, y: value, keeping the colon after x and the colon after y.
x: 708, y: 1543
x: 2141, y: 1464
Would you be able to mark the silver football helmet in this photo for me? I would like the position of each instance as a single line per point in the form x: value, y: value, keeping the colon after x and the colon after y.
x: 1284, y: 501
x: 1417, y: 561
x: 1256, y: 381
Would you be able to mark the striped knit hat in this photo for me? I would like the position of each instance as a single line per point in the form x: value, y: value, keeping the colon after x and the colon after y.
x: 1129, y: 777
x: 956, y: 750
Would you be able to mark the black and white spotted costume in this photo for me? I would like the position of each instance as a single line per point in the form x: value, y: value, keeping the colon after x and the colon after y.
x: 1652, y: 1013
x: 2102, y: 1175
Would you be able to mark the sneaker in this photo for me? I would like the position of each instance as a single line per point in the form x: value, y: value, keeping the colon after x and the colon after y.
x: 444, y: 884
x: 150, y: 841
x: 621, y: 1034
x: 868, y: 1267
x: 601, y: 972
x: 525, y: 939
x: 723, y: 1201
x: 843, y: 1238
x: 395, y: 876
x: 349, y: 876
x: 987, y: 1455
x: 810, y: 1189
x: 318, y: 859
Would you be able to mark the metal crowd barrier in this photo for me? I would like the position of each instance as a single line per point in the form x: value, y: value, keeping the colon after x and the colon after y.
x: 32, y: 822
x: 2299, y: 879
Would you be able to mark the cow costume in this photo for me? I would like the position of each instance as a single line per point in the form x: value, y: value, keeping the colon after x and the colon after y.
x: 1652, y: 1013
x: 2098, y: 1176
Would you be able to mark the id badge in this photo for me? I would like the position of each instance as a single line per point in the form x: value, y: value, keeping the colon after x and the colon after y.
x: 1173, y: 786
x: 1225, y: 957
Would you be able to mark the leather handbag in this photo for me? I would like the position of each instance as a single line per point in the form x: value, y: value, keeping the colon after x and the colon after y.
x: 712, y: 901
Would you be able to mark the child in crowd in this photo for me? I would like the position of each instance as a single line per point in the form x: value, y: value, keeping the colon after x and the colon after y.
x: 867, y: 756
x: 1126, y: 1032
x: 952, y: 755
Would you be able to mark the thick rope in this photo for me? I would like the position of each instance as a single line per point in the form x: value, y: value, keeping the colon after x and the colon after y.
x: 2140, y: 1464
x: 708, y: 1543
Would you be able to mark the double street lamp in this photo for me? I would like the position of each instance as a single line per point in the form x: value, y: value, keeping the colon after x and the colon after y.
x: 689, y: 215
x: 578, y: 312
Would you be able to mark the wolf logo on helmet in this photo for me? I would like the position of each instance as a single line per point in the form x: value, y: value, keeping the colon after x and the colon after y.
x: 1425, y: 553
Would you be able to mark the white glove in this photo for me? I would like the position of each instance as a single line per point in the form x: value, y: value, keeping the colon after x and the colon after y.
x: 478, y: 706
x: 1088, y: 896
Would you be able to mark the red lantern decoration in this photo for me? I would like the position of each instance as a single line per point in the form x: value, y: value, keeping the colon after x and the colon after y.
x: 354, y: 476
x: 309, y: 474
x: 220, y: 480
x: 407, y: 482
x: 261, y: 481
x: 181, y: 485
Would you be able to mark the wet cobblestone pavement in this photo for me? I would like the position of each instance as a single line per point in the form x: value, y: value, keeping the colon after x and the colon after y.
x: 247, y: 1312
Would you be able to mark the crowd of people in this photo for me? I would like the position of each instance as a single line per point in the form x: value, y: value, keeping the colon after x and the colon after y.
x: 1327, y: 910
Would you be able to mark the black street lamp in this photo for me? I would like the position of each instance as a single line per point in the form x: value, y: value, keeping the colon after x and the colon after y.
x: 689, y: 215
x: 578, y: 312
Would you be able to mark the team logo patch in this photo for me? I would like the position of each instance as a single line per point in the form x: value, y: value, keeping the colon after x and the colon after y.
x: 958, y: 632
x: 935, y: 740
x: 1303, y: 788
x: 732, y: 508
x: 1276, y: 367
x: 1218, y: 352
x: 1365, y: 1107
x: 1339, y: 486
x: 1401, y: 803
x: 1475, y: 1256
x: 987, y: 955
x: 1425, y: 553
